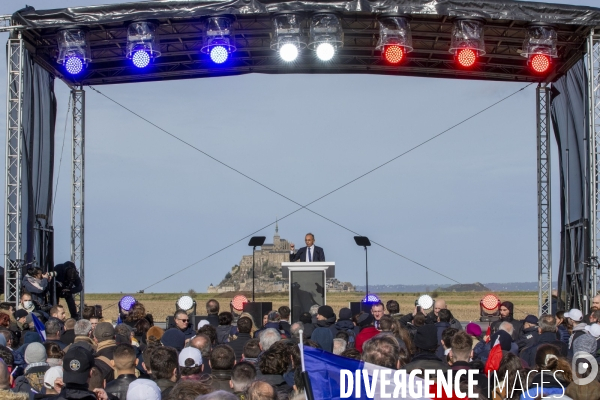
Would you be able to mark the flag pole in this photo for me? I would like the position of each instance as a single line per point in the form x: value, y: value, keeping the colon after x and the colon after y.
x: 307, y: 386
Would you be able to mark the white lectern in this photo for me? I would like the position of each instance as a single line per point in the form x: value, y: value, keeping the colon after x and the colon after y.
x: 308, y: 285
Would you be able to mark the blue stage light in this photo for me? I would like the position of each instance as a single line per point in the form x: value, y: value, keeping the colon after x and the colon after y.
x: 74, y: 65
x: 371, y: 298
x: 219, y: 54
x: 127, y: 303
x: 141, y: 58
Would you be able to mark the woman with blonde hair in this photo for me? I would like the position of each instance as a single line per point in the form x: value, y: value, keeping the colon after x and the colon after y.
x: 245, y: 314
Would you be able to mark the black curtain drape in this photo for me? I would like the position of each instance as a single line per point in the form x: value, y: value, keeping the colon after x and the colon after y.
x: 569, y: 109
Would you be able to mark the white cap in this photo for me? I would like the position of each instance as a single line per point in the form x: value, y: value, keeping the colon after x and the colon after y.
x: 143, y: 389
x: 574, y: 314
x: 202, y: 323
x: 51, y: 375
x: 593, y: 329
x: 194, y: 354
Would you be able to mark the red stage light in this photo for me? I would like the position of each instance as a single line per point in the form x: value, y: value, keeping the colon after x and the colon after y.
x: 490, y: 302
x: 393, y: 54
x: 466, y: 57
x: 540, y: 63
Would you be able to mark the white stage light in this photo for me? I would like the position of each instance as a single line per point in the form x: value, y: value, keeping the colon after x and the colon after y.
x: 288, y: 52
x: 325, y: 51
x: 185, y: 303
x: 425, y: 302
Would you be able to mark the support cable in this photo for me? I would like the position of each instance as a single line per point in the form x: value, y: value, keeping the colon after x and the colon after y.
x: 314, y: 201
x: 61, y: 156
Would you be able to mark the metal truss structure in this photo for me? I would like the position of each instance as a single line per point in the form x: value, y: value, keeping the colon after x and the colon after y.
x: 593, y: 57
x: 78, y: 187
x: 14, y: 155
x: 544, y: 199
x: 180, y: 43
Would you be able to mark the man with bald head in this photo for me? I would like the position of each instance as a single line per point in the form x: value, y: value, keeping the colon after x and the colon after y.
x: 202, y: 343
x: 432, y: 317
x: 259, y: 390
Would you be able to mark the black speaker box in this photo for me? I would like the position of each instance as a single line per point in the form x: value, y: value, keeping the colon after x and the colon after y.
x: 357, y: 306
x: 257, y: 310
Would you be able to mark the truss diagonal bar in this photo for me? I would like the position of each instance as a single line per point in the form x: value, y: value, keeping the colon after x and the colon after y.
x: 544, y: 206
x: 593, y: 59
x: 14, y: 136
x: 78, y: 187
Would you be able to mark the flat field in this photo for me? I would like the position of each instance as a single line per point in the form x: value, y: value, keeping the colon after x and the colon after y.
x: 464, y: 305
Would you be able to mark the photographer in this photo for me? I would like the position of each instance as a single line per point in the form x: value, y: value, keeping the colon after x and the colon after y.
x: 36, y: 284
x: 68, y: 283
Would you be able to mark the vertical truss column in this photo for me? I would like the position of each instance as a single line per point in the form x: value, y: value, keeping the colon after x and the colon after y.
x: 544, y: 205
x: 78, y: 188
x: 593, y: 58
x: 14, y: 137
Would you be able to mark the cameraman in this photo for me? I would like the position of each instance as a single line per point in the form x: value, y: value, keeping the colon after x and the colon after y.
x: 36, y: 284
x: 68, y: 283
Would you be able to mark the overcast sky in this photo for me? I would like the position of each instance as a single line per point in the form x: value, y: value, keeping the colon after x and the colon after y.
x: 464, y: 204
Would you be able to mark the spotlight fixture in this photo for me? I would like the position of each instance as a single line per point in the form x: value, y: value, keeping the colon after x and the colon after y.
x: 73, y: 50
x: 237, y: 303
x: 185, y: 303
x: 126, y: 303
x: 540, y: 48
x: 218, y: 39
x: 425, y: 302
x: 142, y: 43
x: 489, y: 308
x: 287, y: 36
x: 326, y: 35
x: 467, y: 42
x: 395, y: 39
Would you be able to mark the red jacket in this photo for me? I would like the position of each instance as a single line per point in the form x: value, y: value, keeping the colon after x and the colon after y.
x: 364, y: 335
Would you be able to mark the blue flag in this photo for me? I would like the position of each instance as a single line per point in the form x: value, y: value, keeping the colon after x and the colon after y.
x: 39, y: 327
x: 335, y: 377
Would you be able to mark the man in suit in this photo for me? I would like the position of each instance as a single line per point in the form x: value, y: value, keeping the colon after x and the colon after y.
x: 310, y: 253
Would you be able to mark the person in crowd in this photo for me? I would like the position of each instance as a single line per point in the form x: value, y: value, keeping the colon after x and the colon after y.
x: 367, y: 330
x: 553, y: 370
x: 35, y: 283
x: 345, y: 324
x: 260, y: 390
x: 219, y: 395
x: 209, y: 331
x: 578, y: 390
x: 139, y: 333
x: 268, y: 338
x: 26, y: 302
x: 284, y: 313
x: 382, y: 350
x: 224, y: 329
x: 510, y: 329
x: 443, y: 322
x: 124, y: 334
x: 426, y: 344
x: 244, y: 326
x: 506, y: 314
x: 273, y: 364
x: 575, y: 321
x: 189, y: 390
x: 242, y: 375
x: 273, y: 322
x: 587, y: 342
x: 174, y: 338
x: 104, y: 335
x: 54, y: 355
x: 562, y: 325
x: 144, y: 389
x: 154, y: 335
x: 212, y: 312
x: 190, y: 364
x: 68, y: 336
x: 68, y: 283
x: 32, y: 381
x: 307, y: 320
x: 254, y: 327
x: 137, y: 312
x: 164, y: 365
x: 202, y: 343
x: 461, y: 352
x: 393, y: 309
x: 251, y: 351
x: 547, y: 335
x: 58, y: 312
x: 352, y: 353
x: 53, y: 332
x: 50, y: 378
x: 445, y: 345
x: 222, y: 360
x: 295, y: 329
x: 182, y: 322
x: 324, y: 338
x: 339, y: 346
x: 377, y: 312
x: 474, y: 330
x: 530, y: 333
x: 83, y: 334
x: 124, y: 362
x: 512, y: 368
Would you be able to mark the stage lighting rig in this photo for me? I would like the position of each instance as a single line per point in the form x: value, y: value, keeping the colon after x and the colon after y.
x: 467, y: 42
x: 126, y: 303
x: 425, y: 302
x: 326, y: 35
x: 287, y: 36
x: 371, y: 298
x: 73, y: 50
x: 218, y: 38
x: 142, y: 43
x: 395, y: 39
x: 185, y: 303
x: 540, y: 47
x: 489, y: 308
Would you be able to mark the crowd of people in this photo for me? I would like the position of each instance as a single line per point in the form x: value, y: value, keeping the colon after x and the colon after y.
x: 227, y: 355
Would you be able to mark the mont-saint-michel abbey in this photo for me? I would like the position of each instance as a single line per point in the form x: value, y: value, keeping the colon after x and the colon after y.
x: 268, y: 275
